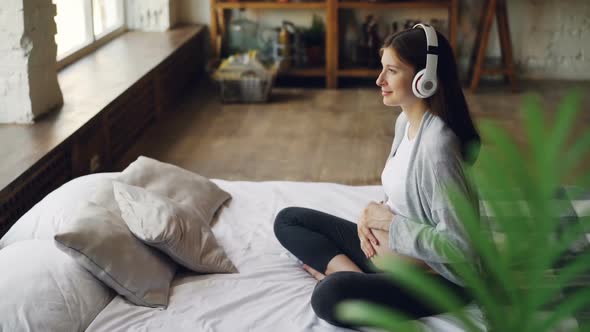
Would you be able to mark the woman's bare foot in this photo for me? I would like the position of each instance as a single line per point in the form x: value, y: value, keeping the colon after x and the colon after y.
x: 314, y: 273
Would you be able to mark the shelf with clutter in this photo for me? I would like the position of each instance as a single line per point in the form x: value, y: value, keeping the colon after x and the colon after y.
x: 394, y: 4
x: 298, y: 46
x: 323, y: 48
x: 361, y: 39
x: 271, y: 4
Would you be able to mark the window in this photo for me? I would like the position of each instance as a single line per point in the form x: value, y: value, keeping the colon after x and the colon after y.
x: 108, y: 16
x: 81, y: 23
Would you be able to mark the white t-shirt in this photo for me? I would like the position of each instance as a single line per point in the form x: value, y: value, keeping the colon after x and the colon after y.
x: 394, y: 176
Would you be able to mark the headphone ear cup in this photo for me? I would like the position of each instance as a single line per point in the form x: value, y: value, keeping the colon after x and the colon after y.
x: 416, y: 84
x: 431, y: 91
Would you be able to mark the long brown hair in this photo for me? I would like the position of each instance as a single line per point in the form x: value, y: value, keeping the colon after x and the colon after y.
x: 448, y: 102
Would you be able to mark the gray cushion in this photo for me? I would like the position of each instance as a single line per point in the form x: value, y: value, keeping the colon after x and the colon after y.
x: 182, y: 186
x: 178, y: 231
x: 101, y: 242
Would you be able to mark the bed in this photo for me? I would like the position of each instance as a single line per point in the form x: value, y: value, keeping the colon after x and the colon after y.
x: 271, y: 292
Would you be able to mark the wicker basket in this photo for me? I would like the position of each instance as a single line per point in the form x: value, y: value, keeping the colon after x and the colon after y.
x: 244, y: 85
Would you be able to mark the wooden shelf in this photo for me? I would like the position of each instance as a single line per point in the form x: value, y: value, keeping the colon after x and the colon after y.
x: 394, y: 4
x: 305, y: 72
x: 359, y: 72
x: 271, y: 5
x: 220, y: 16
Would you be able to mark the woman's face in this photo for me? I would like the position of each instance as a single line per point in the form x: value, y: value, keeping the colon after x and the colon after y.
x: 395, y: 80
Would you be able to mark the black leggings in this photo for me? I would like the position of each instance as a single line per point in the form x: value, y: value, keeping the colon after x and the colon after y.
x: 316, y: 237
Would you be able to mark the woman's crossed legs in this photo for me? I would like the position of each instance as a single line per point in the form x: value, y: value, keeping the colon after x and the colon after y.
x: 330, y: 246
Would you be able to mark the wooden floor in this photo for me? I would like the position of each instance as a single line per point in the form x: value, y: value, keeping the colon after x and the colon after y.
x: 340, y: 136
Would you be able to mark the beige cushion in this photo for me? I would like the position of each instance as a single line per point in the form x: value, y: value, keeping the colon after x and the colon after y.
x: 101, y: 242
x: 177, y: 230
x: 182, y: 186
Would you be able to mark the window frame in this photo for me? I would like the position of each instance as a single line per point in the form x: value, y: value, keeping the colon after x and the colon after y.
x: 96, y: 41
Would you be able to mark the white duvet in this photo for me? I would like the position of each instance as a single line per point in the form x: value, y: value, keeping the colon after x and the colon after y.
x: 271, y: 292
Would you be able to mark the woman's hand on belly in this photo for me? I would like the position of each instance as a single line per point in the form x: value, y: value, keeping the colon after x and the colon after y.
x: 376, y: 216
x: 382, y: 247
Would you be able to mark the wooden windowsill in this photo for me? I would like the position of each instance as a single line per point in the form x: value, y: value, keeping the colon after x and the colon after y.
x: 88, y: 86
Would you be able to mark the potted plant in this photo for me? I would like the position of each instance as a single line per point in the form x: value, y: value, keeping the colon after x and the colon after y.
x: 532, y: 270
x: 313, y: 38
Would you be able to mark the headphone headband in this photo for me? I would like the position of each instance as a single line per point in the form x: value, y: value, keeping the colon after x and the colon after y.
x: 431, y: 37
x: 425, y: 82
x: 431, y: 50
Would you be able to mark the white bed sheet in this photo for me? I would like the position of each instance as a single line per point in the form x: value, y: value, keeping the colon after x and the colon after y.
x: 271, y: 292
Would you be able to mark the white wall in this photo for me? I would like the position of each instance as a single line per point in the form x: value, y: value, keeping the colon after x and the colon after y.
x: 28, y: 77
x: 550, y: 38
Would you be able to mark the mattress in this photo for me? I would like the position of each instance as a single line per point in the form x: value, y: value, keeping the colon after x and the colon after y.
x: 271, y: 292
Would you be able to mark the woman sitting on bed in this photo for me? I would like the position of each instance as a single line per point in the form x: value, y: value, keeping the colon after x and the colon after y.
x: 433, y: 135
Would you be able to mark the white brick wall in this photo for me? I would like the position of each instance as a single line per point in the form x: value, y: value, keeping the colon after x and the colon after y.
x: 28, y: 78
x: 555, y: 46
x: 550, y: 38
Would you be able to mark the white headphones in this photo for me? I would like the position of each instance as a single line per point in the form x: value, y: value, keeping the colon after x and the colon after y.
x: 425, y: 83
